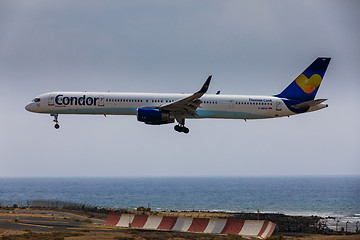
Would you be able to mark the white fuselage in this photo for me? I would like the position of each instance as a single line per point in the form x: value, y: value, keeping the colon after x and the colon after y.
x: 212, y: 106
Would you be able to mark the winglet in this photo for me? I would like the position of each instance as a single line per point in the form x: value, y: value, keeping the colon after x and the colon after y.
x: 206, y: 85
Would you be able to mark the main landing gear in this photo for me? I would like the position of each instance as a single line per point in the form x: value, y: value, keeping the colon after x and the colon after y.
x: 55, y: 115
x: 181, y: 128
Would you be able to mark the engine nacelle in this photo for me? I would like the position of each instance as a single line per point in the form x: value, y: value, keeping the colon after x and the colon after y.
x: 153, y: 116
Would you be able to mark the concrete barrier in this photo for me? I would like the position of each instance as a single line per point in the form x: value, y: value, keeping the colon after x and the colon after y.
x: 253, y: 228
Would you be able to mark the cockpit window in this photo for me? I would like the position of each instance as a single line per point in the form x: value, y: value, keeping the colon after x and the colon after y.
x: 36, y: 100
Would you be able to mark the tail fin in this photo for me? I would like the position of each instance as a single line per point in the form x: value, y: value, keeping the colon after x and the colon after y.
x: 306, y: 85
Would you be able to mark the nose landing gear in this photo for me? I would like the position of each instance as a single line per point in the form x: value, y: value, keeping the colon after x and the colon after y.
x: 55, y: 115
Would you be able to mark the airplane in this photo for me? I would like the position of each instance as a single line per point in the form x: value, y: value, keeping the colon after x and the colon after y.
x: 165, y: 108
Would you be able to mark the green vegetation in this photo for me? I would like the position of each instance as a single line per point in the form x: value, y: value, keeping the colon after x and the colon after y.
x: 124, y: 238
x: 84, y: 221
x: 30, y: 235
x: 276, y: 237
x: 88, y: 221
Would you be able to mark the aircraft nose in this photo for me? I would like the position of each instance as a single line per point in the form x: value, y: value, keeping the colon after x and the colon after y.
x: 29, y: 107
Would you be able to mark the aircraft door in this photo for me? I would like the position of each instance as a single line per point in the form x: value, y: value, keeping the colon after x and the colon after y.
x: 51, y: 100
x: 101, y: 101
x: 231, y: 104
x: 278, y: 105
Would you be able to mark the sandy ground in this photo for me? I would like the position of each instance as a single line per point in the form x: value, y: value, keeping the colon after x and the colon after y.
x: 99, y: 235
x: 330, y: 237
x: 108, y: 236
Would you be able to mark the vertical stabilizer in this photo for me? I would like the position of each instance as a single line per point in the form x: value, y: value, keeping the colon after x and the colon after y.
x: 306, y: 85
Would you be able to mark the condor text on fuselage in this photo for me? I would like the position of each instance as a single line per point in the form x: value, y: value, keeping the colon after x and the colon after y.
x: 83, y: 100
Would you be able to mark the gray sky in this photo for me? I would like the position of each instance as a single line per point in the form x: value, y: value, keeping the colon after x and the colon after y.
x: 250, y: 47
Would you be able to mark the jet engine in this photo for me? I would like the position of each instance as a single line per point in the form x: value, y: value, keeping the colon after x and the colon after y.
x: 153, y: 116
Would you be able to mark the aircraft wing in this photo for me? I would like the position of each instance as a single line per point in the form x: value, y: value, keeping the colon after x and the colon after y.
x: 189, y: 104
x: 309, y: 103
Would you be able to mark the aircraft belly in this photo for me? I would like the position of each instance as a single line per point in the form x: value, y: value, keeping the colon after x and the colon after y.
x: 228, y: 114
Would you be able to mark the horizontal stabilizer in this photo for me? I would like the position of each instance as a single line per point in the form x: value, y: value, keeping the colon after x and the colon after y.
x: 309, y: 103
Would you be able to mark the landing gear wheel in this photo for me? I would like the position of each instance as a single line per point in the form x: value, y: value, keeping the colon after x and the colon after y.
x: 55, y: 115
x: 180, y: 128
x: 186, y: 130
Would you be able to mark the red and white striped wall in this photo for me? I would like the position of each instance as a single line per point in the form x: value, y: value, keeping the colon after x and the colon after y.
x: 260, y: 229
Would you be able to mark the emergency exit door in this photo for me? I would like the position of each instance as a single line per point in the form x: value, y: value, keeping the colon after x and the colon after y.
x: 101, y: 101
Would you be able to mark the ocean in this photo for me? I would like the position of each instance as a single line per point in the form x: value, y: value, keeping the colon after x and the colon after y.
x: 322, y: 196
